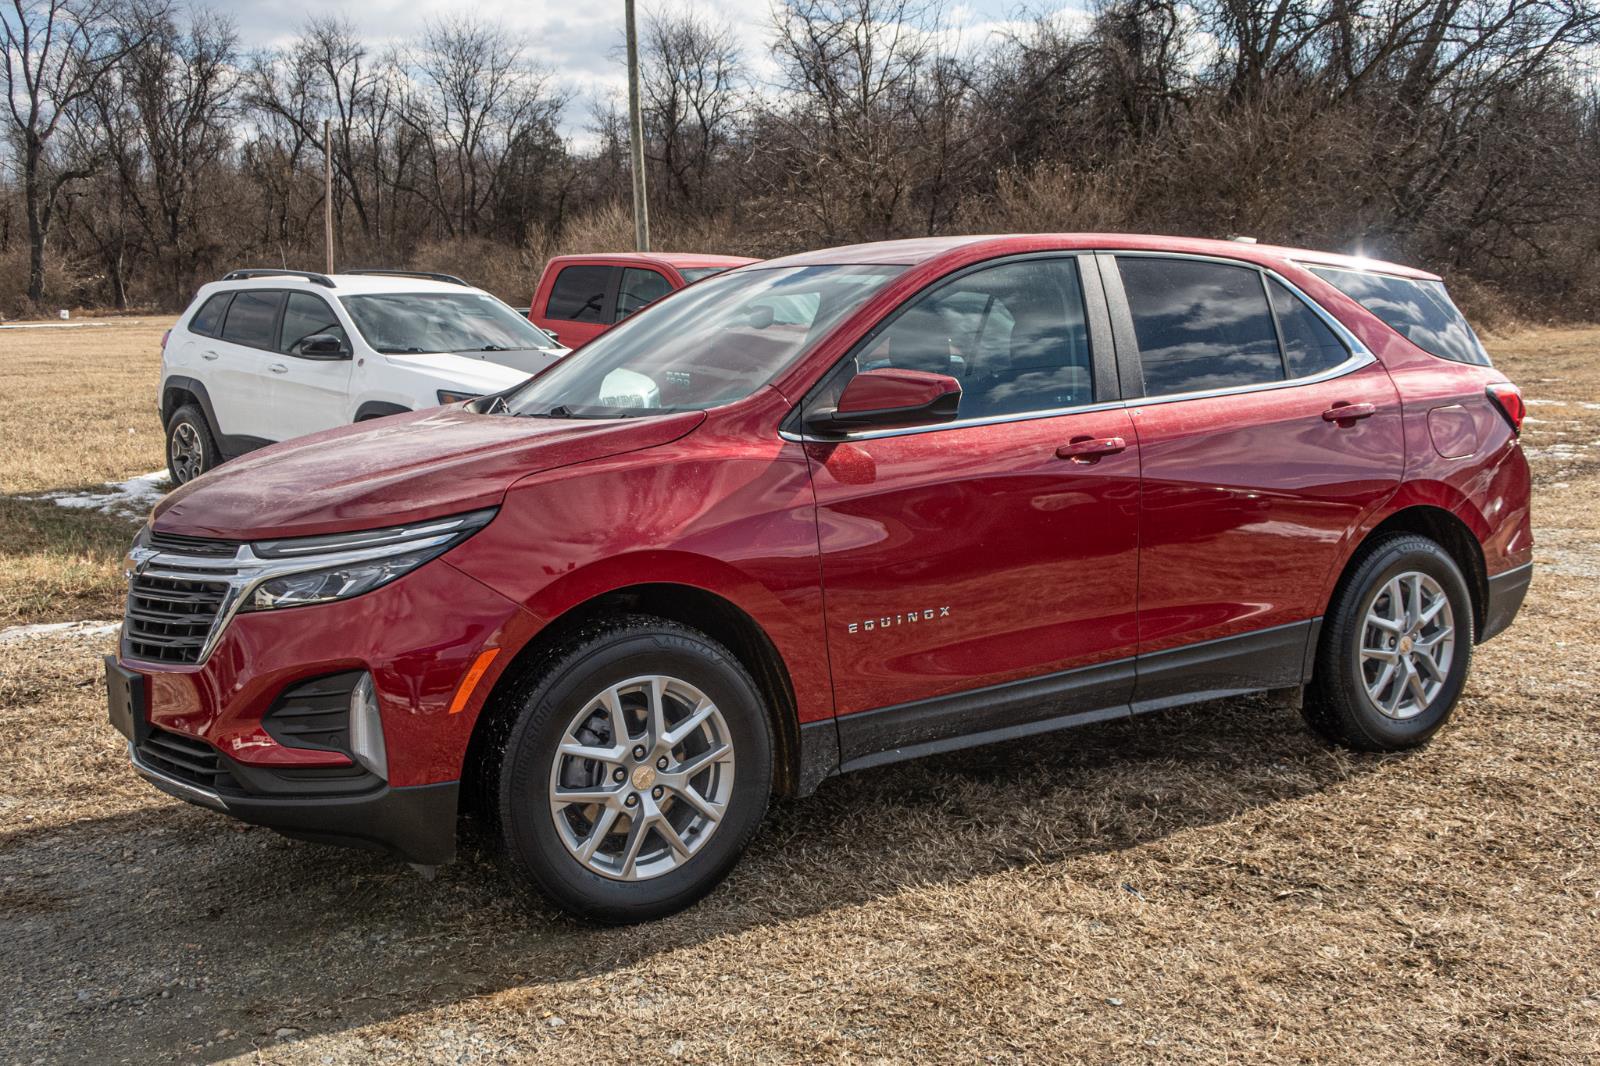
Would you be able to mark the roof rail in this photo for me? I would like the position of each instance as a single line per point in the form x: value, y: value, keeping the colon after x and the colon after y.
x: 426, y: 274
x: 268, y: 272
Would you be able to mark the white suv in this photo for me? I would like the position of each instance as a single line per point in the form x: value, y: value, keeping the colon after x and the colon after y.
x: 265, y: 355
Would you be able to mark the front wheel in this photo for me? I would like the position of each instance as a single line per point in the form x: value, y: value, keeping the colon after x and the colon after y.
x: 1395, y: 648
x: 637, y: 771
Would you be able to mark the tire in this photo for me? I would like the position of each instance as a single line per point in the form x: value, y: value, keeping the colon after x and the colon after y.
x: 564, y: 699
x: 1351, y: 700
x: 191, y: 449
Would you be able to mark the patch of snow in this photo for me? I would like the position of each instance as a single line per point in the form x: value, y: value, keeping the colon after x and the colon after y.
x: 71, y: 325
x: 125, y: 499
x: 79, y: 630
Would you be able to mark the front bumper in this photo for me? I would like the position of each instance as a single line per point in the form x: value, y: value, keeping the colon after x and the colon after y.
x: 417, y: 823
x: 198, y: 732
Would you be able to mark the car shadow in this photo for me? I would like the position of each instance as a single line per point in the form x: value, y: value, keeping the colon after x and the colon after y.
x: 171, y: 933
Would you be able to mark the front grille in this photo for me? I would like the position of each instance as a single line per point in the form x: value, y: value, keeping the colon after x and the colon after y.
x: 202, y: 546
x: 192, y: 761
x: 169, y: 619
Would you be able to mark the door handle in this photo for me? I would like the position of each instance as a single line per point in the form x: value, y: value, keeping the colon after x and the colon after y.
x: 1348, y: 412
x: 278, y: 368
x: 1090, y: 449
x: 208, y: 355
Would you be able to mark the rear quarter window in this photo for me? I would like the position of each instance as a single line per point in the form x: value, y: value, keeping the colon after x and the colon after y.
x: 1419, y: 310
x: 208, y: 319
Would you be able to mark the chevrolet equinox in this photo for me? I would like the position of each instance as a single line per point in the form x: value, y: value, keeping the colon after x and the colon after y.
x: 825, y: 513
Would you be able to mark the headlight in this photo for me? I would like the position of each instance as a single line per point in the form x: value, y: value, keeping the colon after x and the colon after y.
x: 319, y: 569
x: 335, y: 583
x: 448, y: 396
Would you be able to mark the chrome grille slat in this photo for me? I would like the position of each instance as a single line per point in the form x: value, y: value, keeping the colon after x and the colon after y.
x: 169, y: 619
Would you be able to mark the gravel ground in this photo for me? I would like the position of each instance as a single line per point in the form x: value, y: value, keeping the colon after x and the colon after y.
x: 1205, y: 885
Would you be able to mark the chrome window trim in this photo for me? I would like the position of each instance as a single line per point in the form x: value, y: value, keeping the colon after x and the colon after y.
x: 1359, y: 358
x: 245, y: 570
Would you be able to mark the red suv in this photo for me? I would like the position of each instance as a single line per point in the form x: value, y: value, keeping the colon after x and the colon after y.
x: 579, y: 297
x: 826, y: 513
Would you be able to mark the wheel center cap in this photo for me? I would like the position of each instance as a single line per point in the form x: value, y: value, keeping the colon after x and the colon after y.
x: 643, y: 777
x: 1405, y: 644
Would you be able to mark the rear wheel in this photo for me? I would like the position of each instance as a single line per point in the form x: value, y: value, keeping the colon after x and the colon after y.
x: 191, y: 450
x: 637, y: 771
x: 1395, y: 648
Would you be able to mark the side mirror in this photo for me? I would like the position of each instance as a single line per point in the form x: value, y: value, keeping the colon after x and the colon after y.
x: 321, y: 346
x: 888, y: 397
x: 550, y: 333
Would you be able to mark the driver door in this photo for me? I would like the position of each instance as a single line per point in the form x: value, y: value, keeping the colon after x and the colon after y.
x: 981, y: 575
x: 309, y: 394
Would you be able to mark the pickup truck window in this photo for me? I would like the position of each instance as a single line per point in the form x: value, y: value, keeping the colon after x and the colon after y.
x: 579, y: 293
x: 712, y: 343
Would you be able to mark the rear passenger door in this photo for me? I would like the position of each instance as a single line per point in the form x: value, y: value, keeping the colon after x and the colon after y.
x: 242, y: 396
x: 582, y: 302
x: 1251, y: 481
x: 309, y: 392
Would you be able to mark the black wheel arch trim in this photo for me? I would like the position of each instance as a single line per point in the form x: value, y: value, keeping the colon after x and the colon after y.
x: 379, y: 409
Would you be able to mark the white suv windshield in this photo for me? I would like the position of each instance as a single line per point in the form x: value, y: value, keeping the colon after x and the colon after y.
x: 432, y: 322
x: 709, y: 344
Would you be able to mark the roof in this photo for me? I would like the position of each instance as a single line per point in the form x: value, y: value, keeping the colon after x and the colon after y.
x: 347, y: 284
x: 672, y: 259
x: 922, y: 249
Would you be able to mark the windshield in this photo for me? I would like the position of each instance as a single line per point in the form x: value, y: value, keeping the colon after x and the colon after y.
x: 706, y: 345
x: 1420, y: 311
x: 432, y: 322
x: 694, y: 274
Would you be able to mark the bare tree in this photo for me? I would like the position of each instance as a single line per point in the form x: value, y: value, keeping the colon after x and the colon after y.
x: 55, y: 54
x: 693, y: 89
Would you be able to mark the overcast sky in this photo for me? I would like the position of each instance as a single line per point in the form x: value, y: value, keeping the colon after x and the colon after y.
x: 578, y: 40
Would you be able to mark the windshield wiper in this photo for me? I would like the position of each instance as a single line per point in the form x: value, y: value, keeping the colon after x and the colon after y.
x: 560, y: 410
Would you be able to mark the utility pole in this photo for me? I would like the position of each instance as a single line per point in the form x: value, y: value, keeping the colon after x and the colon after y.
x: 641, y: 206
x: 327, y: 189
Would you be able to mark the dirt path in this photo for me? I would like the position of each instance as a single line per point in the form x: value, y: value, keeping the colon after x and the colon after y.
x: 1203, y: 885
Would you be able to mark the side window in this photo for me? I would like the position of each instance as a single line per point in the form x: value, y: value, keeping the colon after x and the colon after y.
x: 253, y: 319
x: 1308, y: 344
x: 639, y: 287
x: 306, y: 316
x: 209, y: 317
x: 579, y: 293
x: 1199, y: 325
x: 1015, y: 336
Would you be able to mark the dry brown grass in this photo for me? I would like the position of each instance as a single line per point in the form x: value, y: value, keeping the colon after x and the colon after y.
x: 1210, y: 885
x: 80, y: 404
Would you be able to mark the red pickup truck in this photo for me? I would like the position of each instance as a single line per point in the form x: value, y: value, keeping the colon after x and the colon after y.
x: 579, y: 297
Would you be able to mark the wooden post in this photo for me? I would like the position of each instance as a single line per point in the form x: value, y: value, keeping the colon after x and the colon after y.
x: 641, y: 207
x: 327, y: 191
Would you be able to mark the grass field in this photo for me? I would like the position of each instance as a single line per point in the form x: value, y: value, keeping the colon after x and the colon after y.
x: 1209, y: 885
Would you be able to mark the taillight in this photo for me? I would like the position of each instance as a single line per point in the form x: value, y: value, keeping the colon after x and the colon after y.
x: 1508, y: 398
x: 164, y: 337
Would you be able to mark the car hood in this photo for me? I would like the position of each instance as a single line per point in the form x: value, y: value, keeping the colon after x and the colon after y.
x: 465, y: 372
x: 403, y: 468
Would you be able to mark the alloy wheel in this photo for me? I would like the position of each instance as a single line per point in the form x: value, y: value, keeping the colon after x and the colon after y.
x: 642, y: 777
x: 186, y: 452
x: 1407, y: 645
